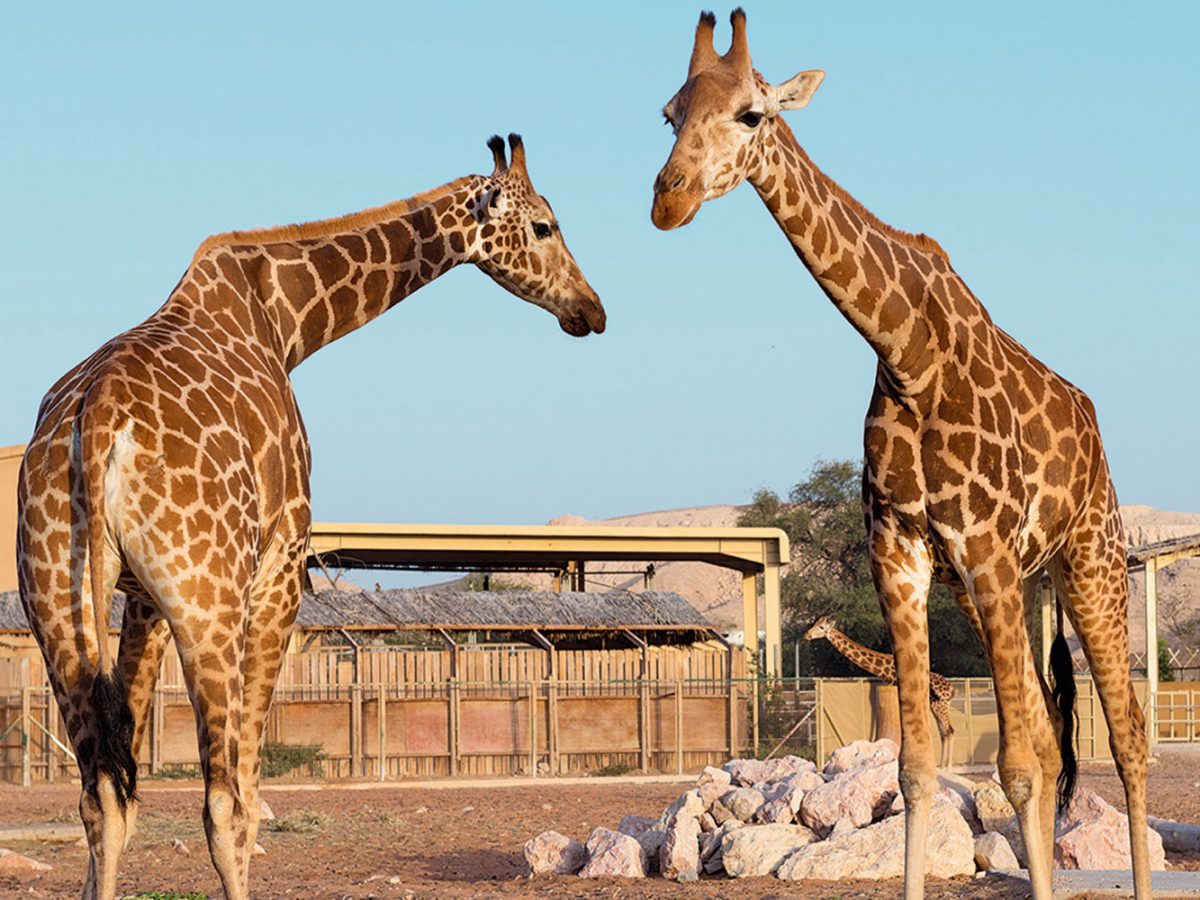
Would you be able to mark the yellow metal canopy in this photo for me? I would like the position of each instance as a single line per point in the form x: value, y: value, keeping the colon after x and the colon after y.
x: 567, y: 549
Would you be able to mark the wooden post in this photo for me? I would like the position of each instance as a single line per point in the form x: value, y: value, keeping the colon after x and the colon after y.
x: 533, y: 754
x: 381, y: 714
x: 679, y: 726
x: 970, y: 723
x: 26, y: 775
x: 356, y: 749
x: 47, y: 741
x: 156, y: 730
x: 733, y: 702
x: 1152, y: 650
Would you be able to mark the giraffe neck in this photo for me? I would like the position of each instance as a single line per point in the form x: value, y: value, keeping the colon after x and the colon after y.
x: 878, y: 664
x: 875, y: 275
x: 320, y: 281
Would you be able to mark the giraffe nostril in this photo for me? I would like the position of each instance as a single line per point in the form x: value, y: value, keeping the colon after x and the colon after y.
x: 677, y: 183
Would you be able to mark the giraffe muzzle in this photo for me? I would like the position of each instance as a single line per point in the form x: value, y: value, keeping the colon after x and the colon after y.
x: 675, y: 204
x: 585, y: 316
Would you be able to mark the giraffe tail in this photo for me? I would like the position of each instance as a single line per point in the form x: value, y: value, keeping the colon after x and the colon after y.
x: 1062, y: 674
x: 109, y: 700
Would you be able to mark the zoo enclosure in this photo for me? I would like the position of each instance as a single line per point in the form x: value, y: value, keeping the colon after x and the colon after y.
x: 508, y: 711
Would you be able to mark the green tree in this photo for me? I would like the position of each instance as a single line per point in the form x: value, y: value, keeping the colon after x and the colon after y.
x: 830, y: 575
x: 1166, y: 667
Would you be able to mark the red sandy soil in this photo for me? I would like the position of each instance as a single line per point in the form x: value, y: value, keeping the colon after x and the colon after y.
x: 454, y: 841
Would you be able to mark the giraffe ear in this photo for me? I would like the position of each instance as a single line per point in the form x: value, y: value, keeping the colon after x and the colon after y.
x: 489, y: 203
x: 798, y: 90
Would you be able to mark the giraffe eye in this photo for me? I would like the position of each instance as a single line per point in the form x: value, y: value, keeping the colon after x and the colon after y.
x: 750, y: 118
x: 541, y: 230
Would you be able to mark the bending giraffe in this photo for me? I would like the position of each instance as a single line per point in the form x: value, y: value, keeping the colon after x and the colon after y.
x: 883, y: 666
x: 983, y: 466
x: 174, y: 463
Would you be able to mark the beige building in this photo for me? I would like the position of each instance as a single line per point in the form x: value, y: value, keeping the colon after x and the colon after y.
x: 10, y: 463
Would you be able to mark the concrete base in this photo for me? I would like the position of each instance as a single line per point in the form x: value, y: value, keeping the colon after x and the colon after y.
x: 1069, y: 883
x: 54, y: 833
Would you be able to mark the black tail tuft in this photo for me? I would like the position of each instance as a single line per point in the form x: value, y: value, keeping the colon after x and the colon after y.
x: 1062, y: 673
x: 114, y: 744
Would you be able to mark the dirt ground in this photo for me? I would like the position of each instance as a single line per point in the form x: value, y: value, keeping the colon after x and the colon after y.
x: 454, y: 841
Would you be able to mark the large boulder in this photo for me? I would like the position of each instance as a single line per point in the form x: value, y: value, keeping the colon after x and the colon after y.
x: 748, y: 772
x: 554, y: 853
x: 993, y: 853
x: 743, y: 803
x: 713, y: 775
x: 1093, y: 834
x: 861, y: 753
x: 689, y: 803
x: 878, y: 850
x: 711, y: 854
x: 679, y: 857
x: 17, y: 865
x: 611, y: 853
x: 964, y: 802
x: 861, y: 795
x: 781, y: 802
x: 996, y: 814
x: 711, y: 791
x: 759, y: 849
x: 636, y: 826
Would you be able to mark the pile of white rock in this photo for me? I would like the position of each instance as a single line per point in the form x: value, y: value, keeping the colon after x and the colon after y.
x: 787, y: 818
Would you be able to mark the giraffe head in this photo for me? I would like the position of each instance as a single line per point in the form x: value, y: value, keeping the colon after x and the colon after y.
x: 820, y: 628
x: 519, y: 245
x: 721, y: 118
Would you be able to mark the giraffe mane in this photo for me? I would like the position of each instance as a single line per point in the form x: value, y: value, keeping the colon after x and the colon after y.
x: 908, y: 238
x: 325, y: 227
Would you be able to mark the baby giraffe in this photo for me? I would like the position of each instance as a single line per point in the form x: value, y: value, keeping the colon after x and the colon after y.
x: 883, y: 666
x: 173, y: 462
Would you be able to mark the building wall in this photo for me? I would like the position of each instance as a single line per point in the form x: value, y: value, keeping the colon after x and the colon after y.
x: 10, y: 463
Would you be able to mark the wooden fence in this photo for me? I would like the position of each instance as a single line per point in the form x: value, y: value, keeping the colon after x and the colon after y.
x: 540, y: 718
x: 462, y: 711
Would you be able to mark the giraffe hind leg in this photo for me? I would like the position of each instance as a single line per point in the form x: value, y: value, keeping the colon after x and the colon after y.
x: 1091, y: 579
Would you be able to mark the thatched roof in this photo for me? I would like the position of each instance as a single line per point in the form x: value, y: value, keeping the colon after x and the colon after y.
x: 649, y: 611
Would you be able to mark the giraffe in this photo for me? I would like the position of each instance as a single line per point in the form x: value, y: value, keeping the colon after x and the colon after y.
x: 173, y: 464
x: 883, y: 666
x: 982, y: 465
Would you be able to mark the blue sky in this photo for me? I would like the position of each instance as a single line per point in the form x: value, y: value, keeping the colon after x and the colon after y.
x: 1051, y: 148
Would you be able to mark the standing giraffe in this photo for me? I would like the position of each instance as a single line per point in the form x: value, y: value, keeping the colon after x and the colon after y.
x: 883, y: 666
x: 983, y: 466
x: 173, y: 463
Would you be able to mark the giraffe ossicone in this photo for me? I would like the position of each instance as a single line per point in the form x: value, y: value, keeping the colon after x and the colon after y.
x: 983, y: 466
x: 173, y: 463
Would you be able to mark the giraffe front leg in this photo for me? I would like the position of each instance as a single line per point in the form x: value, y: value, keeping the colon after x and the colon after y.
x: 902, y: 570
x: 998, y: 596
x: 941, y: 715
